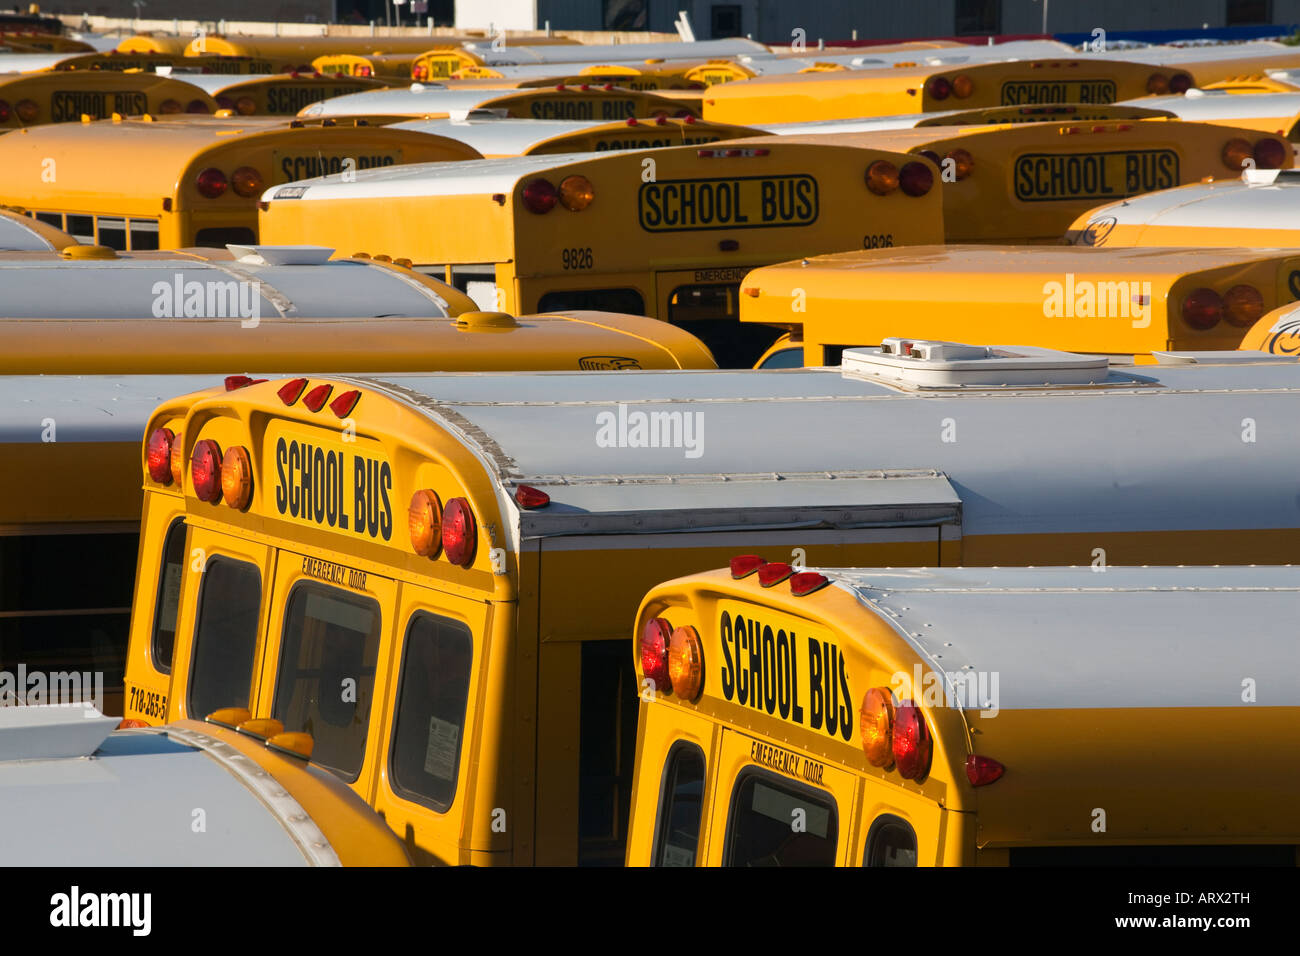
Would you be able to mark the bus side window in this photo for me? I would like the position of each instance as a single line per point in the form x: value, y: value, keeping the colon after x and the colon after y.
x: 627, y: 301
x: 111, y: 233
x: 681, y: 805
x: 786, y: 358
x: 429, y: 718
x: 54, y: 219
x: 169, y: 597
x: 326, y: 677
x: 81, y: 228
x: 891, y: 841
x: 143, y: 234
x: 773, y: 822
x: 230, y: 598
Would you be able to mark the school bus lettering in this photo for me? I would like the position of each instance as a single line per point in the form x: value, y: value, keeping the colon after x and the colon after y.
x: 334, y: 573
x: 648, y: 142
x: 287, y: 100
x: 1045, y: 177
x: 1024, y: 93
x: 582, y: 109
x: 787, y: 762
x: 747, y: 202
x: 69, y: 105
x: 760, y: 669
x: 308, y: 166
x: 311, y: 481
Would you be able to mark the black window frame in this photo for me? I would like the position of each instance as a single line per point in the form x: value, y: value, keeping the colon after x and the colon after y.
x: 663, y: 814
x: 767, y: 776
x: 177, y: 524
x: 879, y: 824
x: 404, y: 793
x: 309, y: 585
x: 208, y: 563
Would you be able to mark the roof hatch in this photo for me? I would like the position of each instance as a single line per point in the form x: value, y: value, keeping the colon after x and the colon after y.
x: 920, y: 363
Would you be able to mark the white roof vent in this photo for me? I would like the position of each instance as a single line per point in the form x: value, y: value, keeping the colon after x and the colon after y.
x: 1267, y: 177
x: 281, y: 255
x: 919, y: 363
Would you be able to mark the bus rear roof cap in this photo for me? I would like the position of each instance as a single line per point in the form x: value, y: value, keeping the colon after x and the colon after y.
x: 923, y: 363
x: 281, y: 255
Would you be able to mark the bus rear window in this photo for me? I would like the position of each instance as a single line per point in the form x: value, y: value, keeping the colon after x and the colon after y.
x: 710, y: 313
x: 230, y: 598
x: 430, y: 715
x: 627, y: 301
x: 169, y: 597
x: 681, y: 804
x: 775, y: 823
x: 327, y: 673
x: 891, y: 841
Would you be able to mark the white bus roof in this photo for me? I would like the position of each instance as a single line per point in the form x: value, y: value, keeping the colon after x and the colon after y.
x: 1188, y: 55
x: 32, y: 62
x: 1081, y: 638
x: 108, y: 811
x: 1261, y: 199
x: 465, y: 178
x: 500, y: 135
x: 17, y: 235
x: 512, y: 55
x: 406, y: 101
x: 1222, y: 105
x: 88, y: 408
x: 131, y: 288
x: 1150, y: 448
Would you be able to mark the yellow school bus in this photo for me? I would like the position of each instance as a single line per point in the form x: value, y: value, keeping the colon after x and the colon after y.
x: 283, y: 94
x: 1277, y: 333
x: 19, y: 232
x: 887, y: 717
x: 154, y: 43
x: 1257, y: 210
x: 648, y: 75
x: 1027, y: 182
x: 1273, y: 113
x: 32, y: 99
x: 466, y: 553
x: 391, y: 67
x: 194, y: 183
x: 921, y: 89
x: 155, y: 62
x: 1114, y: 301
x: 296, y: 53
x: 542, y: 233
x: 583, y: 102
x: 499, y: 137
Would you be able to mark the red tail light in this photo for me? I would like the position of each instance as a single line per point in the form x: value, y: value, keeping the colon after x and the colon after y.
x: 655, y: 637
x: 774, y: 573
x: 420, y: 73
x: 5, y: 111
x: 1180, y: 83
x: 1270, y: 153
x: 225, y: 102
x: 1203, y: 309
x: 459, y: 532
x: 981, y: 771
x: 912, y: 744
x: 742, y: 566
x: 938, y: 88
x: 317, y: 397
x: 915, y: 179
x: 211, y: 183
x: 346, y: 401
x: 197, y: 106
x: 806, y: 582
x: 530, y: 497
x: 205, y: 470
x: 289, y: 392
x: 1243, y: 305
x: 158, y: 455
x: 167, y: 107
x: 540, y: 196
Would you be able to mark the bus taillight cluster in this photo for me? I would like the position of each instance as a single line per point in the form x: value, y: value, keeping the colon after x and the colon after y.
x: 435, y: 529
x: 27, y: 111
x: 940, y: 87
x: 1267, y: 153
x: 1242, y: 306
x: 672, y: 658
x: 575, y: 194
x: 171, y: 107
x: 245, y: 181
x: 914, y: 179
x: 216, y: 476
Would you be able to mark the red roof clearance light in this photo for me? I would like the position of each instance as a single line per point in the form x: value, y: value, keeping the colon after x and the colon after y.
x: 317, y: 397
x: 743, y: 565
x: 291, y: 391
x: 773, y: 573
